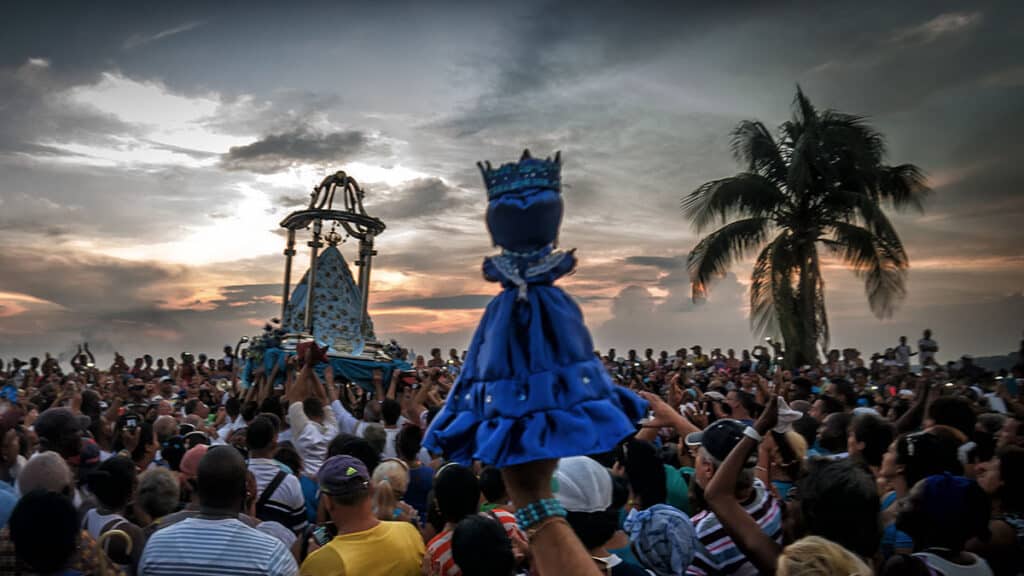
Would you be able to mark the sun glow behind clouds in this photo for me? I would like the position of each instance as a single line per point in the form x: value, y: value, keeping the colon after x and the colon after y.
x: 245, y: 232
x: 164, y: 117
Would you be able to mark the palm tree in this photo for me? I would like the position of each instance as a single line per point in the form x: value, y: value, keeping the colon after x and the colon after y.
x: 821, y: 184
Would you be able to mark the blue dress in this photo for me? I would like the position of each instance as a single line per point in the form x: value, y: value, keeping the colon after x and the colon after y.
x: 531, y: 387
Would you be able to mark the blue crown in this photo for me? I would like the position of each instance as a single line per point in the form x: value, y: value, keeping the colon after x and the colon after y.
x: 528, y: 173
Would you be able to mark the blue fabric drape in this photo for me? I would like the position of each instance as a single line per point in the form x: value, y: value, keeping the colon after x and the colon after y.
x: 356, y: 370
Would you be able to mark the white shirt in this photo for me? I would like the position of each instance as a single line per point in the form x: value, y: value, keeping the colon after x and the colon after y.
x: 347, y: 423
x: 311, y: 438
x: 230, y: 426
x: 389, y: 446
x: 926, y: 354
x: 903, y: 354
x: 287, y: 502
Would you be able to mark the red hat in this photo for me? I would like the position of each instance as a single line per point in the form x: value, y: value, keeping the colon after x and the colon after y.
x: 189, y: 466
x: 301, y: 351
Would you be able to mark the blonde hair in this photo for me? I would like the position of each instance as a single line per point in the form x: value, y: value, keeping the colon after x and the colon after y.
x: 394, y: 472
x: 798, y: 444
x: 816, y: 556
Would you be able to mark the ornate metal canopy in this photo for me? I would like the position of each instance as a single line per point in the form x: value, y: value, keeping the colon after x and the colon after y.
x: 356, y: 223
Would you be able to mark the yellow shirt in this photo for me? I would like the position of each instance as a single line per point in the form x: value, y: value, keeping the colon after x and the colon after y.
x: 389, y: 548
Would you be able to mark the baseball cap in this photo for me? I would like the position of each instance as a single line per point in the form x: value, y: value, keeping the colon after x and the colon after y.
x: 189, y: 466
x: 343, y: 474
x: 583, y: 485
x: 54, y: 421
x: 720, y: 438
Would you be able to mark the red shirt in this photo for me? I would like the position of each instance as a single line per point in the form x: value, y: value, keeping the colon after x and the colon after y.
x: 438, y: 558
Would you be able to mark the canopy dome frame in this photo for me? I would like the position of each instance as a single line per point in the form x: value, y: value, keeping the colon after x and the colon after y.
x: 357, y: 224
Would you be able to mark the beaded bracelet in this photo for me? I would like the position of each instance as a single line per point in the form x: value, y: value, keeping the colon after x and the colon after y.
x: 536, y: 512
x: 532, y: 533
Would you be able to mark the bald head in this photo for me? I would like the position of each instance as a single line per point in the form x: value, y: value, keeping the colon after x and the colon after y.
x: 165, y: 427
x: 47, y: 471
x: 221, y: 479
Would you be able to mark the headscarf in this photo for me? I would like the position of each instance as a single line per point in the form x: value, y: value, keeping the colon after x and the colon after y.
x: 663, y: 539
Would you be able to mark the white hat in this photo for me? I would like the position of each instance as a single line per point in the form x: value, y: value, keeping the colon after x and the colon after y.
x: 583, y: 485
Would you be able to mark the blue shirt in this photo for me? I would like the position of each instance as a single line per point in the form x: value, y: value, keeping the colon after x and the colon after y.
x: 8, y: 500
x: 421, y: 480
x: 893, y: 539
x: 310, y: 490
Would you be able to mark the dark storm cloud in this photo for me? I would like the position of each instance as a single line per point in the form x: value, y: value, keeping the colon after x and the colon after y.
x: 81, y: 282
x: 459, y: 302
x: 303, y: 145
x: 661, y: 262
x: 119, y: 305
x: 244, y: 293
x: 191, y: 152
x: 640, y: 319
x: 558, y: 44
x: 35, y: 113
x: 422, y: 197
x: 291, y: 200
x: 120, y: 203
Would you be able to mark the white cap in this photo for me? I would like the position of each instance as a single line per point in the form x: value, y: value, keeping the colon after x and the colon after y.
x: 583, y: 485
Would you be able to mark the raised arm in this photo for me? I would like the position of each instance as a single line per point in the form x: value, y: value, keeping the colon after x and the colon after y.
x: 378, y: 385
x: 555, y: 548
x: 393, y: 385
x: 912, y: 419
x: 720, y: 494
x: 297, y: 389
x: 666, y: 416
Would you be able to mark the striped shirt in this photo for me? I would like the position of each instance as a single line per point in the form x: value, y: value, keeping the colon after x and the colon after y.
x: 439, y: 560
x: 717, y: 553
x: 287, y: 505
x: 201, y: 547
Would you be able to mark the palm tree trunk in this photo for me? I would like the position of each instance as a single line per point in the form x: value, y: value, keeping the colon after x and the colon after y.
x: 806, y: 349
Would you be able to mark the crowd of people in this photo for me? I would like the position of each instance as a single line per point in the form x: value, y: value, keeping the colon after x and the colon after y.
x: 893, y: 464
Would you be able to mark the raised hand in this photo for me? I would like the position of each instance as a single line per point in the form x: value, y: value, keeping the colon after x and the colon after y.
x: 664, y: 415
x: 698, y: 416
x: 130, y: 439
x: 769, y: 417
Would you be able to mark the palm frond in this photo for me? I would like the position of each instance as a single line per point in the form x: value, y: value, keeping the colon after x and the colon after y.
x: 754, y: 146
x: 904, y: 185
x: 883, y: 268
x: 800, y: 177
x: 803, y: 111
x: 713, y: 255
x: 849, y: 137
x: 764, y: 320
x: 870, y: 214
x: 745, y: 194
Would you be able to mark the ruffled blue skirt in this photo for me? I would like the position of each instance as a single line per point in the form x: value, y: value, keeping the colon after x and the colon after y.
x: 531, y: 387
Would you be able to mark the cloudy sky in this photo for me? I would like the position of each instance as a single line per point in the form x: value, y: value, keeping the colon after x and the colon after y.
x: 148, y: 151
